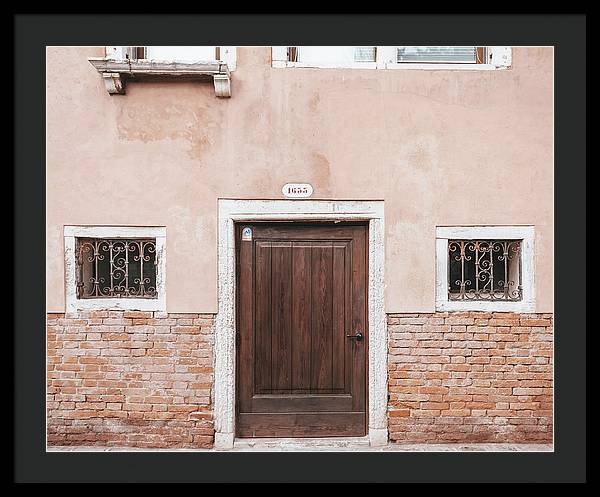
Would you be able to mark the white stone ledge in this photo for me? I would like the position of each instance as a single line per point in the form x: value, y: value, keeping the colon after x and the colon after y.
x: 116, y: 72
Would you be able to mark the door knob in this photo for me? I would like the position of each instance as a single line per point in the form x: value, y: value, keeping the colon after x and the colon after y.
x: 358, y: 336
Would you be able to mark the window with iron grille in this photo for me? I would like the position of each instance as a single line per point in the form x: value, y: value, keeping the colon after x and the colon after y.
x: 484, y: 270
x: 116, y: 268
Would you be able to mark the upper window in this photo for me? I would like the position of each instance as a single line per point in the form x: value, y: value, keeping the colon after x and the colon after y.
x: 175, y: 54
x: 485, y: 268
x: 393, y: 57
x: 331, y: 54
x: 170, y: 53
x: 115, y: 268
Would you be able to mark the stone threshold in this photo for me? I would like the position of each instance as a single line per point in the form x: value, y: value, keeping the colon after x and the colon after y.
x: 322, y: 445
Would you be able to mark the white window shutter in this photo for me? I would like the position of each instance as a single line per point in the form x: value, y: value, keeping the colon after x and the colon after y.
x: 365, y: 54
x: 385, y: 55
x: 115, y: 52
x: 500, y: 56
x: 279, y: 54
x: 129, y: 53
x: 120, y: 53
x: 228, y: 55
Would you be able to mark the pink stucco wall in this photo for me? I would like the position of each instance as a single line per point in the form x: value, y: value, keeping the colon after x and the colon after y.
x: 440, y: 147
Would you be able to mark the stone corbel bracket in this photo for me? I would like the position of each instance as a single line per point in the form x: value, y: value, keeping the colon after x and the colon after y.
x: 116, y: 72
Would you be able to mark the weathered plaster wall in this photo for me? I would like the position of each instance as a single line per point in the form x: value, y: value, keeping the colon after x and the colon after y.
x: 440, y: 147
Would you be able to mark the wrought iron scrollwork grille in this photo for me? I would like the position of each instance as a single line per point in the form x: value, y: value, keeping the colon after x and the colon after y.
x: 484, y: 270
x: 116, y: 268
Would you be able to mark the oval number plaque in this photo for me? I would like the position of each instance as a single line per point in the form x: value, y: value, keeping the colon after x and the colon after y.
x: 297, y: 190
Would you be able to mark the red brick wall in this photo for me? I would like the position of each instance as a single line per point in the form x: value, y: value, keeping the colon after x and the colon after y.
x: 137, y: 379
x: 470, y: 377
x: 143, y: 379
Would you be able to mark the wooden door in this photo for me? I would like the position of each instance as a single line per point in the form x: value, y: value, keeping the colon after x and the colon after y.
x: 302, y: 329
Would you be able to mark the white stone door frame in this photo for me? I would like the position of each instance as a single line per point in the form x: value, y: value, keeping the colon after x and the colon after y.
x: 231, y: 211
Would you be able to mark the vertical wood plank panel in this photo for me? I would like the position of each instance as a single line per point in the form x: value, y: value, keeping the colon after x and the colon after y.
x: 348, y: 276
x: 322, y: 267
x: 359, y: 317
x: 338, y: 326
x: 281, y: 357
x: 301, y: 315
x: 262, y: 332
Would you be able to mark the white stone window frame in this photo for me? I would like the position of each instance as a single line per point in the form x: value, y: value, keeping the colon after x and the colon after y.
x: 524, y: 233
x: 74, y: 304
x: 231, y: 211
x: 498, y: 57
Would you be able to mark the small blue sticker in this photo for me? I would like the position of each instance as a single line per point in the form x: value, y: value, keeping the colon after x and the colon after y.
x: 247, y: 234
